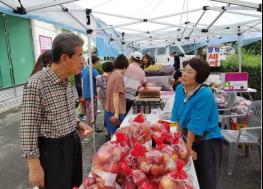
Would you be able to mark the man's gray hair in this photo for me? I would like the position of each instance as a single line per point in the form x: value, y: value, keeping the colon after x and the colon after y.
x: 65, y: 44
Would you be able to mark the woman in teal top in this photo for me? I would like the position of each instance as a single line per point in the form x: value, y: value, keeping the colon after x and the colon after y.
x: 196, y: 112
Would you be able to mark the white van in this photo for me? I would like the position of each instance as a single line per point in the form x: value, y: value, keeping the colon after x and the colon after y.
x: 161, y: 55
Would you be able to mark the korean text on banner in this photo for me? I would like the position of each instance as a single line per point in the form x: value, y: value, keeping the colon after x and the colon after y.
x: 213, y: 56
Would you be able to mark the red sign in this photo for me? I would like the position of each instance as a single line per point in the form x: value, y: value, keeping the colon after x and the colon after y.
x: 213, y: 56
x: 45, y: 43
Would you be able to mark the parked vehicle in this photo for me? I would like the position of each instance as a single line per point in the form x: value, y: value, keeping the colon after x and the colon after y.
x: 161, y: 55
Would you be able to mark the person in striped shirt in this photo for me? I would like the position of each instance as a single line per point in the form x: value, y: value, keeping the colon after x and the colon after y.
x: 50, y: 129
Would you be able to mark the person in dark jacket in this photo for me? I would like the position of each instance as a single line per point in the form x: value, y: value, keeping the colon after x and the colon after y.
x: 176, y: 61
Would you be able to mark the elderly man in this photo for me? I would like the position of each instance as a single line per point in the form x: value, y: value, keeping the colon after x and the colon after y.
x: 49, y: 126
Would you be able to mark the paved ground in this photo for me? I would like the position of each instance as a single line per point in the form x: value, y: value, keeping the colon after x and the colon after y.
x: 13, y: 174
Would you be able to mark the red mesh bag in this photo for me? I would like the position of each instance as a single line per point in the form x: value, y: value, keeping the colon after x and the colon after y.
x: 179, y: 146
x: 177, y: 179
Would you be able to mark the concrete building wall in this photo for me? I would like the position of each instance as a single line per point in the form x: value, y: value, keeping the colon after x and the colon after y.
x: 12, y: 97
x: 51, y: 31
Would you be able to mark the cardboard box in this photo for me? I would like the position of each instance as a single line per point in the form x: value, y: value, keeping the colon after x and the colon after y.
x: 235, y: 81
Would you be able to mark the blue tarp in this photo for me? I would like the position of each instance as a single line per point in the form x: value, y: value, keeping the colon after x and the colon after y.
x: 105, y: 48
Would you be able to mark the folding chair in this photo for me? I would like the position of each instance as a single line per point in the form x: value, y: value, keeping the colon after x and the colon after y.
x: 231, y: 99
x: 250, y: 135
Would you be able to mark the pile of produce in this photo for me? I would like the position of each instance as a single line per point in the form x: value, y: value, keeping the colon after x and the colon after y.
x: 142, y: 156
x: 159, y: 70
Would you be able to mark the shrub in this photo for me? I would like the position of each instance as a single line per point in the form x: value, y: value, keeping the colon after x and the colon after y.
x: 71, y: 79
x: 99, y: 67
x: 251, y: 63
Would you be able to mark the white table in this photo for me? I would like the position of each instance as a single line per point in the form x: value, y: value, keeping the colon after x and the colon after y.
x: 155, y: 115
x: 248, y: 91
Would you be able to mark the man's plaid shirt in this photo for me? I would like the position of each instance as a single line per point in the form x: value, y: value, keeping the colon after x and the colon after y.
x: 48, y: 110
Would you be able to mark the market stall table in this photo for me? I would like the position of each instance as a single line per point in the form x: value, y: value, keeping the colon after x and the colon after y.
x: 162, y: 81
x: 247, y: 91
x: 157, y: 114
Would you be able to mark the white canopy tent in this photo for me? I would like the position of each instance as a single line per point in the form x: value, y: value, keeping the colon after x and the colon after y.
x: 144, y: 23
x: 155, y: 21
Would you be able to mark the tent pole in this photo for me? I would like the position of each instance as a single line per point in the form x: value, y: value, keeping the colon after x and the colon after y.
x: 170, y: 25
x: 251, y: 27
x: 239, y: 53
x: 240, y: 3
x: 48, y: 4
x: 89, y: 34
x: 236, y: 8
x: 197, y: 23
x: 218, y: 16
x: 244, y: 14
x: 117, y: 15
x: 175, y: 14
x: 10, y: 4
x: 120, y: 25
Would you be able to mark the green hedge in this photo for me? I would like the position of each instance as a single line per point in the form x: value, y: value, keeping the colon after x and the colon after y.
x: 251, y: 63
x: 99, y: 67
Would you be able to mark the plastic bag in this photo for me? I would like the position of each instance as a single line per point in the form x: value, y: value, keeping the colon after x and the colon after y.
x: 155, y: 157
x: 139, y: 118
x: 158, y: 127
x: 138, y: 133
x: 79, y: 110
x: 106, y: 163
x: 169, y: 158
x: 128, y: 183
x: 145, y: 185
x: 139, y: 177
x: 177, y: 179
x: 179, y: 146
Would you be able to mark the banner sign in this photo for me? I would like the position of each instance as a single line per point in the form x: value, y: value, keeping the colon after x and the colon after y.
x: 213, y: 56
x: 235, y: 81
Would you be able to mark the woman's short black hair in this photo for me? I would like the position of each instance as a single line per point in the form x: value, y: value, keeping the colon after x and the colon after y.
x: 201, y: 67
x: 121, y: 62
x: 149, y: 58
x: 107, y: 67
x: 94, y: 59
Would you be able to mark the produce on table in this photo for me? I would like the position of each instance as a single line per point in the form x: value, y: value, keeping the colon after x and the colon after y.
x: 179, y: 146
x: 159, y: 70
x: 177, y: 179
x: 127, y: 163
x: 138, y: 132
